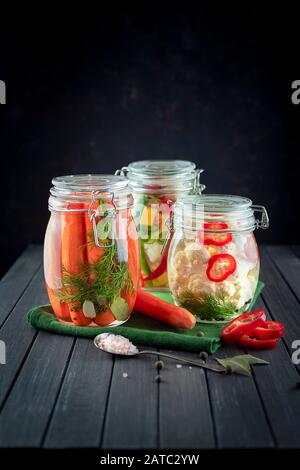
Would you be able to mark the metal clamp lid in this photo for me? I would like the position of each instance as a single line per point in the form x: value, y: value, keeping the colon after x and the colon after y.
x: 263, y: 222
x: 122, y: 171
x: 198, y: 187
x: 92, y: 213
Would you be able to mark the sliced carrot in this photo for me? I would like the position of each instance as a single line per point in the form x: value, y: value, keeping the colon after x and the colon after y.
x: 159, y: 309
x: 74, y: 253
x: 104, y: 318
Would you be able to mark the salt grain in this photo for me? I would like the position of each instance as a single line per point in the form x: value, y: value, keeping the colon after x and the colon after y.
x: 179, y: 366
x: 125, y: 375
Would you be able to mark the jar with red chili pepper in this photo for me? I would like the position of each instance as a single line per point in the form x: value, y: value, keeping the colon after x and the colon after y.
x: 91, y: 253
x: 156, y: 184
x: 213, y: 262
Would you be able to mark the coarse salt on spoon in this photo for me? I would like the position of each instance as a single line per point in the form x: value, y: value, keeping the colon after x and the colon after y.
x: 121, y: 346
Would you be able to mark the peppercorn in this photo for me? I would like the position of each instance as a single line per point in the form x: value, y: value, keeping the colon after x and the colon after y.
x: 159, y: 365
x: 200, y: 333
x: 203, y: 355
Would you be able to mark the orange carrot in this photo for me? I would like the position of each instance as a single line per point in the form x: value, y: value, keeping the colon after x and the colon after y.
x: 159, y: 309
x: 104, y: 318
x: 52, y: 266
x: 74, y: 253
x: 60, y: 309
x: 94, y: 253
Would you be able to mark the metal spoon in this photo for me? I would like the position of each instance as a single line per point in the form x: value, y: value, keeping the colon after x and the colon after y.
x: 121, y: 346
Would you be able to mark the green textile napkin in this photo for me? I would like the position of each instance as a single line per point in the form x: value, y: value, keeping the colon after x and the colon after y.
x: 141, y: 329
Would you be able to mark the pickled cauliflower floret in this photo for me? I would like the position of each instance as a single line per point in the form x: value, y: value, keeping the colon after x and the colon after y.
x: 244, y: 291
x: 181, y: 263
x: 199, y: 286
x: 196, y: 253
x: 226, y: 287
x: 177, y: 284
x: 192, y: 276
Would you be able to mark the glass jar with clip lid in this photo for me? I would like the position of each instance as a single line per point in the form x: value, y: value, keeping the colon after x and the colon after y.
x: 156, y: 185
x: 91, y: 253
x: 213, y: 262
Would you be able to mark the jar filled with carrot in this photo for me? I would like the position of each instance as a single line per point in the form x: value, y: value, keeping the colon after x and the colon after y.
x: 156, y: 184
x: 91, y: 253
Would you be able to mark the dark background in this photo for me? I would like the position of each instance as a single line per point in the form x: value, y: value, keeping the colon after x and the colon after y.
x: 210, y: 85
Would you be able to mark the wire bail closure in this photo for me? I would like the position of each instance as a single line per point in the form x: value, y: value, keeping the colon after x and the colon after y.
x: 122, y: 171
x: 170, y: 226
x: 263, y: 222
x: 92, y: 213
x: 198, y: 187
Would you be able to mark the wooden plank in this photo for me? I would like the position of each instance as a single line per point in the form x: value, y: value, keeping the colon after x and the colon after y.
x: 288, y: 264
x: 184, y: 410
x: 17, y: 334
x: 239, y: 417
x: 131, y: 420
x: 280, y: 300
x: 28, y: 408
x: 277, y: 385
x: 296, y: 250
x: 79, y: 412
x: 16, y: 280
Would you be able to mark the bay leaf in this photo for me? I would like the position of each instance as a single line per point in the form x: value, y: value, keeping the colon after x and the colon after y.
x: 120, y: 309
x: 241, y: 364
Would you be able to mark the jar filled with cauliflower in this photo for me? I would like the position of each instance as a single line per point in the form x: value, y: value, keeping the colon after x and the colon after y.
x: 213, y: 263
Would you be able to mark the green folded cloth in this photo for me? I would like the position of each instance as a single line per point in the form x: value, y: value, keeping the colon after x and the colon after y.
x: 141, y: 329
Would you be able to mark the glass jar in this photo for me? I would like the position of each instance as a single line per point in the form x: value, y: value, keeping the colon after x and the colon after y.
x: 156, y: 184
x: 91, y: 251
x: 213, y: 262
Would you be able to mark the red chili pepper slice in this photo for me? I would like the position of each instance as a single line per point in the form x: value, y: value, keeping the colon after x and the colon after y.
x: 242, y: 325
x: 268, y: 330
x: 216, y: 239
x: 248, y: 342
x: 220, y: 267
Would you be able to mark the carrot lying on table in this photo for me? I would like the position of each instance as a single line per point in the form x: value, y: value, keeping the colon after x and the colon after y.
x: 159, y: 309
x: 73, y: 252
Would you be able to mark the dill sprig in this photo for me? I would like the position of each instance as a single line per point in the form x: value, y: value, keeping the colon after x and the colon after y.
x: 209, y: 307
x: 110, y: 278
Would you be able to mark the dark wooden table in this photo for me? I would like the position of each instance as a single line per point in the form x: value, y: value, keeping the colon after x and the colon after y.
x: 61, y: 392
